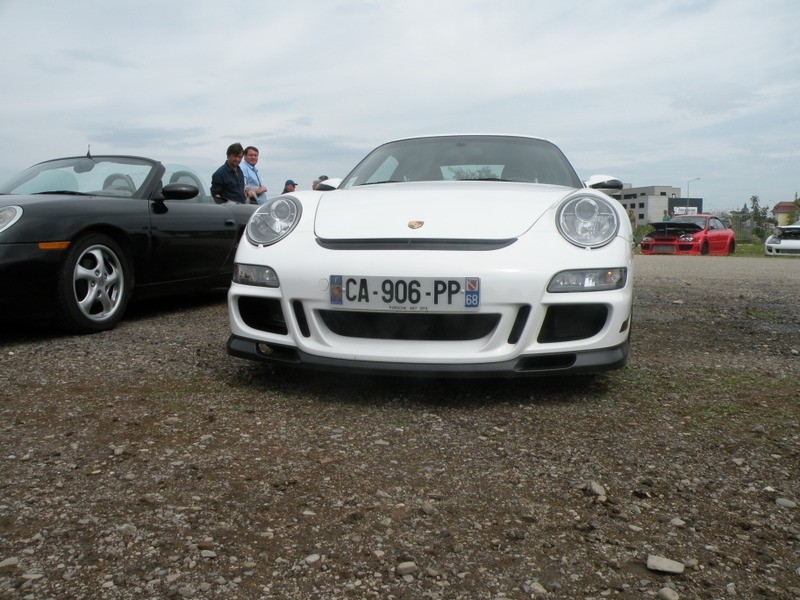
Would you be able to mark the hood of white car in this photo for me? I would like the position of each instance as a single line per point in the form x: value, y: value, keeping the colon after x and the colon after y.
x: 434, y: 210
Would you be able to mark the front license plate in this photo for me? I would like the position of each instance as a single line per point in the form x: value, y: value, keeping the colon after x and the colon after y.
x: 421, y: 294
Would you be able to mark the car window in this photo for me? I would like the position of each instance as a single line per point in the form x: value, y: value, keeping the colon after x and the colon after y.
x: 700, y: 222
x: 465, y: 157
x: 384, y: 171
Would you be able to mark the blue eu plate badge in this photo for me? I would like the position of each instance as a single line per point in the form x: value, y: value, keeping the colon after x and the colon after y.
x: 336, y: 289
x: 472, y: 292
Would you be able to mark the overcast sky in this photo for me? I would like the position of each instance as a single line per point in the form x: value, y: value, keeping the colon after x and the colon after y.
x: 654, y: 93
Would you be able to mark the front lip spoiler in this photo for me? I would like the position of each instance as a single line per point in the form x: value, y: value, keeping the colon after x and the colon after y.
x: 564, y: 363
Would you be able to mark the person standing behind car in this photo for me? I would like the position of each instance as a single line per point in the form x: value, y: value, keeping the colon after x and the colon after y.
x: 255, y: 191
x: 227, y: 182
x: 318, y: 180
x: 289, y: 186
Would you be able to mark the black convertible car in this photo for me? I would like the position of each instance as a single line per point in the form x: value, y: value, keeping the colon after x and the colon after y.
x: 80, y: 237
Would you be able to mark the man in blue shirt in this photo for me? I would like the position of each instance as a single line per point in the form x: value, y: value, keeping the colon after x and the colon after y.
x: 252, y: 179
x: 227, y: 182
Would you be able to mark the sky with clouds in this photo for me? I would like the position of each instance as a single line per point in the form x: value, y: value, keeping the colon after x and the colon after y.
x: 654, y: 93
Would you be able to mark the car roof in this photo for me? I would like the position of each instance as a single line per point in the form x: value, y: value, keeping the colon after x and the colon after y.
x: 442, y: 135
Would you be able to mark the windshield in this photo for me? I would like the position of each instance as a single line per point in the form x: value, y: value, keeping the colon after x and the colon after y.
x: 699, y: 221
x: 100, y: 175
x: 468, y: 157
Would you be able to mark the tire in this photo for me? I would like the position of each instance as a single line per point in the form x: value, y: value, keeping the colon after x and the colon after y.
x: 731, y: 248
x: 94, y: 285
x: 704, y: 249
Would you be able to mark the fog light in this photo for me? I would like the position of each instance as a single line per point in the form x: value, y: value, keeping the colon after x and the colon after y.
x: 588, y: 280
x: 255, y: 275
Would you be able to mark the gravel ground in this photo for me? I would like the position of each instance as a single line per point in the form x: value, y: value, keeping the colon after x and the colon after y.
x: 146, y: 463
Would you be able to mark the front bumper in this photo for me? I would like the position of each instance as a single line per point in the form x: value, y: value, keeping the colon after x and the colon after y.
x: 27, y: 278
x: 785, y: 248
x: 520, y: 329
x: 573, y: 363
x: 670, y: 247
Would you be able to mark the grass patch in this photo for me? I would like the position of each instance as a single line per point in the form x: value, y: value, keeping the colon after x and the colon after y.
x: 713, y: 400
x: 750, y: 250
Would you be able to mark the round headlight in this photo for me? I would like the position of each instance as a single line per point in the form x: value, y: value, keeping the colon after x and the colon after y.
x: 273, y: 220
x: 587, y: 221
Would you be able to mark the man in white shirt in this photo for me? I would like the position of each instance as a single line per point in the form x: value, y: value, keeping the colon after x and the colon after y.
x: 255, y: 191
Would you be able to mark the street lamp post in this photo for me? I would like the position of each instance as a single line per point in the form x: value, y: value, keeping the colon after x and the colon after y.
x: 687, y: 192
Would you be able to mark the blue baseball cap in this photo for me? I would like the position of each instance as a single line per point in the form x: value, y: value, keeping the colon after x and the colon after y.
x: 289, y: 182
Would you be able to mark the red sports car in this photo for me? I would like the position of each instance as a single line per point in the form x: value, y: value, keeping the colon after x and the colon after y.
x: 689, y: 234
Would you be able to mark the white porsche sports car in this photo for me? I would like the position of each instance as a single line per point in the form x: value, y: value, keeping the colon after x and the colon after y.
x: 463, y: 255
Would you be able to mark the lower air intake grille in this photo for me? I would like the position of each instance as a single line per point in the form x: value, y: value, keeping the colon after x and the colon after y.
x: 393, y: 326
x: 264, y: 314
x: 568, y: 322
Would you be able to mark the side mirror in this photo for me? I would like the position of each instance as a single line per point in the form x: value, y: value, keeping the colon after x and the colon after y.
x: 329, y: 184
x: 604, y: 182
x: 179, y: 191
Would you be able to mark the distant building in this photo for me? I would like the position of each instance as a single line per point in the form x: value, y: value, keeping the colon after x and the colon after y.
x: 650, y: 202
x: 786, y: 213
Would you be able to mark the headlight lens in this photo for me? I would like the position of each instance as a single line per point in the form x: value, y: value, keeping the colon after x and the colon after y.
x: 8, y: 216
x: 588, y: 280
x: 587, y: 221
x: 273, y: 220
x: 255, y: 275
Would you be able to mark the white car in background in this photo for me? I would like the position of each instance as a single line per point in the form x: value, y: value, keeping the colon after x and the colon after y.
x: 784, y: 241
x: 463, y: 255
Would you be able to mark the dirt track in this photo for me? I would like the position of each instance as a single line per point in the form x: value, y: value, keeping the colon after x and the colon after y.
x: 145, y: 462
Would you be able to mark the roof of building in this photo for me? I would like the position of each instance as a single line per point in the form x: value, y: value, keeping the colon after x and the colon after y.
x: 785, y: 207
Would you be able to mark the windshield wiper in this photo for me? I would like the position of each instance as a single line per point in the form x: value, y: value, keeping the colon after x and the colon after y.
x: 66, y: 192
x: 377, y: 182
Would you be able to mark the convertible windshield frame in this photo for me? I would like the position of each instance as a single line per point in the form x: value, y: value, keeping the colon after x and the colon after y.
x: 465, y: 157
x: 115, y: 176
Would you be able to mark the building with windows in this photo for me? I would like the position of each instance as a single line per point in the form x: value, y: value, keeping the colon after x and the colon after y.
x: 650, y: 202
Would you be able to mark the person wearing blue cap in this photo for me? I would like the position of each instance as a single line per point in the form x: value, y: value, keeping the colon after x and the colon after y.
x: 289, y: 187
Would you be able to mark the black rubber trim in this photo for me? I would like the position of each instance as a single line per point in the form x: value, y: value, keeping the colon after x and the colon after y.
x: 572, y: 363
x: 416, y: 244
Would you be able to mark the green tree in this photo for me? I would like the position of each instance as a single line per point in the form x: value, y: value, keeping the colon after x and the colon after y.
x: 760, y: 217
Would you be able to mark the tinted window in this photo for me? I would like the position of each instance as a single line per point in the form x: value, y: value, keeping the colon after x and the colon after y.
x: 503, y: 158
